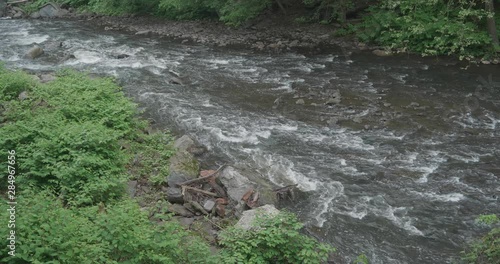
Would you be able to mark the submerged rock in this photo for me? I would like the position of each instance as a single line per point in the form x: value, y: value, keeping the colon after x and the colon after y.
x: 34, y: 52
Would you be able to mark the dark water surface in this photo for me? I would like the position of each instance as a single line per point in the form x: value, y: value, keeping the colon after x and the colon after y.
x: 398, y: 169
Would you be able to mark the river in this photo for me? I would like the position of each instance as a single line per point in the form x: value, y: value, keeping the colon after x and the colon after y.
x: 397, y: 165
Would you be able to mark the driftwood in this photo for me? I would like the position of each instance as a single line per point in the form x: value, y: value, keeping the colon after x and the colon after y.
x: 201, y: 178
x: 184, y: 187
x: 198, y: 207
x: 285, y: 192
x: 220, y: 191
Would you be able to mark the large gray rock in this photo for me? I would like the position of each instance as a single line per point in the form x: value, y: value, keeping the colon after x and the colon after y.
x: 184, y: 143
x: 236, y: 184
x: 34, y: 52
x: 248, y: 217
x: 183, y: 167
x: 50, y: 10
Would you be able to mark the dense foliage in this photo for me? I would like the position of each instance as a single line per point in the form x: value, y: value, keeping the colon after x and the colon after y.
x: 487, y: 249
x: 429, y: 27
x: 66, y: 134
x: 273, y: 240
x: 118, y: 233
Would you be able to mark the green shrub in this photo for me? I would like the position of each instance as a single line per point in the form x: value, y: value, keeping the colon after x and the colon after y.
x: 487, y: 249
x: 275, y: 240
x: 428, y: 27
x: 119, y: 233
x: 66, y: 136
x: 13, y: 83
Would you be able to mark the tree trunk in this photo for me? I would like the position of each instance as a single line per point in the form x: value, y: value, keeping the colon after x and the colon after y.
x: 492, y: 29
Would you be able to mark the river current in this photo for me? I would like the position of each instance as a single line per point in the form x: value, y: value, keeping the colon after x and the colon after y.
x: 394, y: 157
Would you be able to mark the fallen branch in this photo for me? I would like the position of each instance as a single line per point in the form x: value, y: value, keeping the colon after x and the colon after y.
x: 201, y: 178
x: 198, y: 207
x: 17, y: 2
x: 184, y: 187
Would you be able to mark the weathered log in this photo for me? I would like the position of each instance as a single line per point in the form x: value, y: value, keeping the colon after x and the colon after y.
x: 220, y: 191
x: 198, y: 207
x: 198, y: 190
x: 201, y: 178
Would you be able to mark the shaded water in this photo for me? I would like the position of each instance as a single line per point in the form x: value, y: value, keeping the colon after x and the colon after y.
x: 398, y: 169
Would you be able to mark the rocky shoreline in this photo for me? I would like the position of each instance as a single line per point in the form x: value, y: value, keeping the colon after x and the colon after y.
x: 263, y: 34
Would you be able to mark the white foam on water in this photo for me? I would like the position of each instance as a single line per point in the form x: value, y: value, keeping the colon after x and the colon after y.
x: 471, y: 157
x: 450, y: 197
x: 86, y: 57
x: 30, y: 39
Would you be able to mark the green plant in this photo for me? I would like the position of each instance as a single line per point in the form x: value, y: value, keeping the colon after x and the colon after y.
x: 361, y: 259
x: 486, y: 249
x: 120, y: 232
x: 150, y: 154
x: 428, y: 27
x: 273, y: 240
x: 66, y: 136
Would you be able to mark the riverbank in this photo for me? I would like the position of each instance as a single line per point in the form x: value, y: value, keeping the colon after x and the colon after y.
x: 276, y: 33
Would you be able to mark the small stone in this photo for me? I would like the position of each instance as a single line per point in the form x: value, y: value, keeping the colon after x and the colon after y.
x: 23, y: 96
x: 382, y: 53
x: 209, y: 205
x: 300, y: 102
x: 387, y: 104
x: 174, y: 195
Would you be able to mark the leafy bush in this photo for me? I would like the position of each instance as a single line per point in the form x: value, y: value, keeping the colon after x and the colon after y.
x: 13, y: 83
x: 428, y: 27
x: 274, y: 240
x: 487, y: 249
x: 149, y: 156
x: 66, y: 136
x: 119, y: 233
x: 232, y: 12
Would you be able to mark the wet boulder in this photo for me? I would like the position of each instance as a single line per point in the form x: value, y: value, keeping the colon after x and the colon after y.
x: 34, y: 52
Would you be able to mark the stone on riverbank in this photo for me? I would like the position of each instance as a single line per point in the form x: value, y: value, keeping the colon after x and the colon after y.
x: 49, y: 10
x: 248, y: 217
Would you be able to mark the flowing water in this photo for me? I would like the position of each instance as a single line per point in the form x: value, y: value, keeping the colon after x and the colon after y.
x: 398, y: 169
